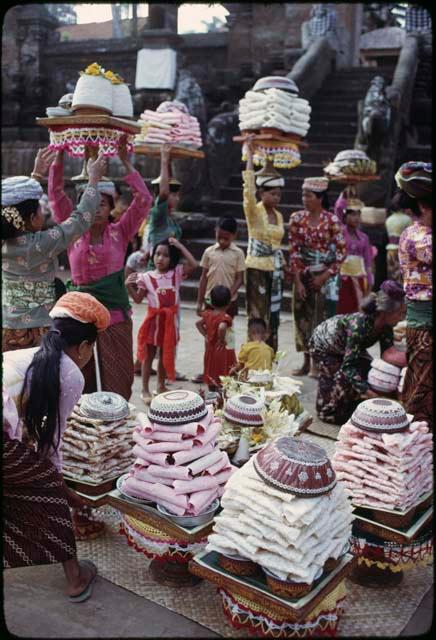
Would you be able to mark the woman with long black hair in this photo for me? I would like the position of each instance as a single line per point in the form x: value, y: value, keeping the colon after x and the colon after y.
x: 40, y: 388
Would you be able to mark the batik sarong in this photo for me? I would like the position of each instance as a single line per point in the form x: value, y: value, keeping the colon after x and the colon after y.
x: 37, y: 526
x: 309, y: 313
x: 336, y: 399
x: 264, y: 290
x: 417, y: 395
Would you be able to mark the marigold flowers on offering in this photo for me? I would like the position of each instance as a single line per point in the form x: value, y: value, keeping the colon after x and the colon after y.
x: 94, y: 69
x: 113, y: 77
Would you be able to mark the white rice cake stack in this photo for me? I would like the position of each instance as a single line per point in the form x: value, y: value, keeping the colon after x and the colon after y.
x: 274, y: 108
x: 287, y: 535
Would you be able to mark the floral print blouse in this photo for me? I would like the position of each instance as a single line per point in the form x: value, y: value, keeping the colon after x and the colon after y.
x: 29, y: 264
x: 416, y: 259
x: 325, y: 238
x: 348, y: 336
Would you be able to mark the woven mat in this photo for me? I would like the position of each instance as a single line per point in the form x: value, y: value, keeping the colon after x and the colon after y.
x: 368, y: 612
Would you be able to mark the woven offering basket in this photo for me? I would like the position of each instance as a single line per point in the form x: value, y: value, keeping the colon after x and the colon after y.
x: 287, y: 589
x: 238, y: 566
x: 396, y: 521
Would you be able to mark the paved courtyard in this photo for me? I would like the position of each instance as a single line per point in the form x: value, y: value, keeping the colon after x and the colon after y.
x: 34, y: 604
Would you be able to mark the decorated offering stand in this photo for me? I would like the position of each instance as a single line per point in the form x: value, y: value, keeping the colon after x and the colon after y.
x: 249, y: 603
x: 98, y: 118
x: 351, y: 167
x: 385, y: 461
x: 276, y: 119
x: 84, y: 136
x: 387, y: 542
x: 171, y: 493
x: 169, y: 545
x: 279, y: 550
x: 176, y: 151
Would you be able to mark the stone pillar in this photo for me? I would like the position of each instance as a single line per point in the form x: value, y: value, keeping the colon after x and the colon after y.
x: 35, y: 29
x: 162, y: 16
x: 240, y: 43
x: 349, y: 20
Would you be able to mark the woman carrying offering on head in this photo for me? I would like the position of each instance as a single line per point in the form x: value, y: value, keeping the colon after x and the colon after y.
x: 414, y: 180
x: 40, y: 388
x: 264, y: 262
x: 316, y: 250
x: 338, y: 348
x: 30, y: 255
x: 356, y: 277
x: 97, y: 267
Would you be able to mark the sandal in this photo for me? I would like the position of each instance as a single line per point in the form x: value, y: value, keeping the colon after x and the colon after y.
x: 198, y: 379
x: 87, y: 591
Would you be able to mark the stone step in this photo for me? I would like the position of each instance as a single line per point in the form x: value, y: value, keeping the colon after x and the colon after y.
x: 332, y: 103
x: 332, y: 138
x: 333, y: 121
x: 230, y: 208
x: 234, y: 194
x: 321, y: 126
x: 306, y: 169
x: 419, y: 153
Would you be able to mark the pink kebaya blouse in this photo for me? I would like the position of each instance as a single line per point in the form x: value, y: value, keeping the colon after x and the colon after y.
x: 91, y: 262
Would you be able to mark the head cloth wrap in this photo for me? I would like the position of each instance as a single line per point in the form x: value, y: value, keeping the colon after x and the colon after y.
x: 18, y: 189
x: 82, y: 307
x: 415, y: 179
x: 317, y: 185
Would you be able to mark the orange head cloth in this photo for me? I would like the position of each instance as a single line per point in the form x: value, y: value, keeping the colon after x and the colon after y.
x: 82, y: 307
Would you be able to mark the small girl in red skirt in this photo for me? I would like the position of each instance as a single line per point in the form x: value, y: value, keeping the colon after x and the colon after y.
x: 220, y: 356
x: 160, y: 328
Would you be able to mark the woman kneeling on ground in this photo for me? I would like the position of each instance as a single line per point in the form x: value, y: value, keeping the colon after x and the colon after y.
x: 41, y: 385
x: 338, y: 347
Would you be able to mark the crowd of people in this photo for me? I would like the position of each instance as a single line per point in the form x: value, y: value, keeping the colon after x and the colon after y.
x: 60, y: 341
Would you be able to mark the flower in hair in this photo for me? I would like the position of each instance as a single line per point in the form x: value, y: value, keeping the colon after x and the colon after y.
x: 12, y: 215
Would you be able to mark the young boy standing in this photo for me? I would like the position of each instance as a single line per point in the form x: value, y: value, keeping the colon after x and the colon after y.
x: 223, y: 264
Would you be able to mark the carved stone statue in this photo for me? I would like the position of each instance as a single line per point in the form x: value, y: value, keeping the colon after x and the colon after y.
x: 374, y: 118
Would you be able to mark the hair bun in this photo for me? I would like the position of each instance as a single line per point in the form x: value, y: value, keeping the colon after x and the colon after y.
x: 392, y: 289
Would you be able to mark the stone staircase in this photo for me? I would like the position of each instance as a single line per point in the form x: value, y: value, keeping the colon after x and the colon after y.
x: 333, y: 128
x: 421, y: 113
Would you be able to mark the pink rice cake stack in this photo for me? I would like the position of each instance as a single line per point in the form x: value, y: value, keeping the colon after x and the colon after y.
x: 383, y: 457
x: 178, y: 464
x: 284, y: 511
x: 171, y: 123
